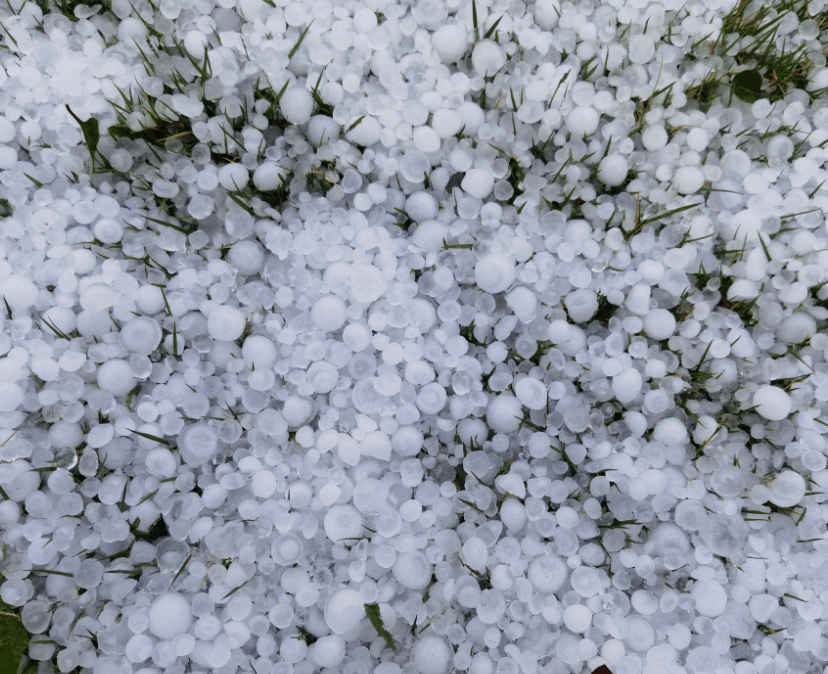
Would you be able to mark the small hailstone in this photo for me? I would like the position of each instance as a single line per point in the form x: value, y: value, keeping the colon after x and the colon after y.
x: 225, y: 324
x: 233, y: 177
x: 626, y: 385
x: 430, y: 235
x: 11, y: 395
x: 488, y: 58
x: 641, y: 49
x: 612, y: 171
x: 581, y: 304
x: 141, y: 335
x: 269, y: 176
x: 322, y: 130
x: 344, y: 610
x: 547, y: 13
x: 19, y: 292
x: 582, y: 121
x: 786, y: 489
x: 366, y: 133
x: 659, y: 324
x: 450, y: 42
x: 688, y: 180
x: 328, y: 313
x: 478, y: 183
x: 670, y: 431
x: 431, y: 655
x: 296, y: 105
x: 772, y: 402
x: 329, y: 651
x: 504, y: 413
x: 116, y: 377
x: 710, y: 598
x: 494, y: 273
x: 169, y: 615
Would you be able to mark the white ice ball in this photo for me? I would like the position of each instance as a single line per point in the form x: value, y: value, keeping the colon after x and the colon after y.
x: 225, y: 324
x: 169, y: 615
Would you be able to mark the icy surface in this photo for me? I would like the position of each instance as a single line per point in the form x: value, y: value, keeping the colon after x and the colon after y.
x: 414, y: 338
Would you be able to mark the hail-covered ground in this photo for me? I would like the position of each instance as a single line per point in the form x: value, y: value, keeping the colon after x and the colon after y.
x: 414, y: 337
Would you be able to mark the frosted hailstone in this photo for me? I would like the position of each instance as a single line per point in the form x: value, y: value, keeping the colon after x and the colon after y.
x: 169, y: 615
x: 344, y: 610
x: 342, y: 522
x: 659, y: 324
x: 710, y: 598
x: 431, y: 655
x: 329, y: 651
x: 328, y: 313
x: 367, y: 283
x: 116, y: 377
x: 612, y: 171
x: 641, y: 49
x: 225, y: 324
x: 627, y: 385
x: 479, y: 183
x: 688, y: 180
x: 11, y: 395
x: 198, y: 444
x: 412, y: 570
x: 796, y: 328
x: 532, y: 393
x: 772, y: 402
x: 494, y: 273
x: 450, y: 42
x: 670, y: 431
x: 786, y: 489
x: 296, y: 105
x: 488, y: 58
x: 141, y: 335
x: 504, y: 413
x: 430, y: 235
x: 370, y: 496
x: 322, y: 130
x: 581, y: 304
x: 547, y: 13
x: 287, y: 549
x: 19, y: 292
x: 233, y: 177
x: 547, y: 573
x: 366, y: 133
x: 582, y: 121
x: 269, y: 176
x: 524, y: 303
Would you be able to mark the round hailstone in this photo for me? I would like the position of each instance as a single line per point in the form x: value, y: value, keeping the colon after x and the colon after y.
x: 547, y: 573
x: 577, y: 618
x: 426, y: 139
x: 547, y: 13
x: 169, y: 615
x: 581, y: 304
x: 431, y: 655
x: 344, y: 610
x: 504, y: 413
x: 194, y: 42
x: 116, y: 377
x: 19, y: 292
x: 772, y: 402
x: 494, y: 273
x: 322, y: 130
x: 258, y: 350
x: 627, y: 385
x: 612, y: 171
x: 582, y: 121
x: 329, y: 651
x: 141, y: 335
x: 367, y: 283
x: 430, y: 235
x: 450, y: 42
x: 688, y: 180
x: 787, y: 489
x: 197, y: 444
x: 296, y: 105
x: 641, y: 49
x: 412, y: 570
x: 343, y: 521
x: 532, y: 393
x: 478, y: 183
x: 670, y: 431
x: 233, y: 177
x: 269, y: 177
x: 11, y: 395
x: 7, y: 130
x: 796, y: 328
x: 710, y: 598
x: 225, y: 324
x: 366, y: 133
x: 370, y: 496
x: 328, y: 313
x: 659, y: 324
x: 488, y: 58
